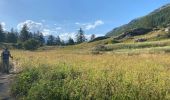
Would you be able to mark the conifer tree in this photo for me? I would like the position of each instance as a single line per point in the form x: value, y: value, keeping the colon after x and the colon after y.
x: 2, y: 34
x: 80, y: 36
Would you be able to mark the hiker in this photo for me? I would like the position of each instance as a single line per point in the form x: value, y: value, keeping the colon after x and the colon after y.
x: 5, y: 60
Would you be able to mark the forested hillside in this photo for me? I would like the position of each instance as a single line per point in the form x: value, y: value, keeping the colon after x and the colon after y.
x: 158, y: 18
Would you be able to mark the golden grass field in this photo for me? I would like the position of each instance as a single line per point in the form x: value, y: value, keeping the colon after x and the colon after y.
x: 69, y: 74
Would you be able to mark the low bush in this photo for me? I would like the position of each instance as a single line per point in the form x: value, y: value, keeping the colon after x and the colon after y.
x: 18, y: 45
x: 31, y: 44
x: 101, y: 48
x: 24, y: 82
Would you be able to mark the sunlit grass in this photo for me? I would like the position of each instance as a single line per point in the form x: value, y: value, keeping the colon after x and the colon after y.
x: 70, y: 75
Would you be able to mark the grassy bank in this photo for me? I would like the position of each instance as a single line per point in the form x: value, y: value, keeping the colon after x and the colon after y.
x: 138, y: 45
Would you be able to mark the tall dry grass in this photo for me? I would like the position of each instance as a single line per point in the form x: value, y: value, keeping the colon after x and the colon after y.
x: 64, y: 75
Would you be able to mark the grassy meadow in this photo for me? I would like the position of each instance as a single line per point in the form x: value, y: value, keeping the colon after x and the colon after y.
x: 68, y: 50
x: 75, y: 74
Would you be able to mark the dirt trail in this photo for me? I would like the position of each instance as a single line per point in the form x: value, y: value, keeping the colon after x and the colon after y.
x: 5, y: 83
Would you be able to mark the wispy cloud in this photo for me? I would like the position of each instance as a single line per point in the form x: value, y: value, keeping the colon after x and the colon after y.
x: 58, y: 28
x: 94, y: 25
x: 89, y: 26
x: 77, y: 23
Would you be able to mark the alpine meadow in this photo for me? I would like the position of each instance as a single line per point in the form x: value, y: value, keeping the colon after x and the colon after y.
x: 48, y: 61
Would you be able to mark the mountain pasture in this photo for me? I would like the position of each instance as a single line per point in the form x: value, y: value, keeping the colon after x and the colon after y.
x: 65, y: 73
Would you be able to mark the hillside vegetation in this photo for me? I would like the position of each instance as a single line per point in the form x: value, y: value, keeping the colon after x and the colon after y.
x: 158, y: 18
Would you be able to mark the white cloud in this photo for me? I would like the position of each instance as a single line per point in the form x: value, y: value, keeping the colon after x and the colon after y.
x: 37, y: 26
x: 46, y: 32
x: 77, y: 23
x: 43, y: 20
x: 65, y: 36
x: 89, y: 26
x: 3, y: 25
x: 58, y: 28
x: 49, y: 32
x: 33, y: 26
x: 93, y: 25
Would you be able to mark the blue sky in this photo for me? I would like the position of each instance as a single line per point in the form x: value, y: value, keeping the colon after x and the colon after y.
x: 64, y: 17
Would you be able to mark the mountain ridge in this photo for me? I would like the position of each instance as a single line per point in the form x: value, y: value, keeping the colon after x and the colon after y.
x: 158, y: 18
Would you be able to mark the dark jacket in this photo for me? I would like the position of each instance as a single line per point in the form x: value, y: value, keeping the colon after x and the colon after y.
x: 5, y: 55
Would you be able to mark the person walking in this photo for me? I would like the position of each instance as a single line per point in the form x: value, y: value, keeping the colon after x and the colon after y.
x: 5, y: 60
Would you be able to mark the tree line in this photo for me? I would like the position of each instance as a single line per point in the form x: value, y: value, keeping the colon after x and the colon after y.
x: 25, y: 39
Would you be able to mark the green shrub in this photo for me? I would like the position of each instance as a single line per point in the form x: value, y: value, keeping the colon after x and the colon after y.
x: 24, y: 82
x: 31, y: 44
x: 46, y: 90
x: 19, y: 45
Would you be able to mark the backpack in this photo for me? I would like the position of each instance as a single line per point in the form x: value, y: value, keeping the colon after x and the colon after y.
x: 5, y: 55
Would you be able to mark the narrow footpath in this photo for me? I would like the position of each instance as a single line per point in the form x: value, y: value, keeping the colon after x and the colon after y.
x: 6, y: 82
